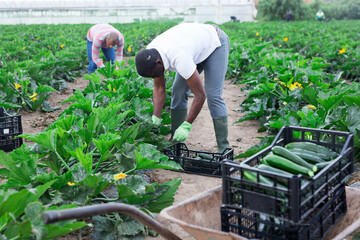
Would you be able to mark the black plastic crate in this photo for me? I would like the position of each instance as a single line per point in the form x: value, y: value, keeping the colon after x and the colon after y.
x: 302, y: 195
x: 187, y: 158
x: 10, y: 127
x: 262, y: 226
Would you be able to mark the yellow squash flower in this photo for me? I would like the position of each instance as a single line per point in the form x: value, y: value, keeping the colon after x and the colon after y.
x: 114, y: 90
x: 342, y: 50
x: 297, y: 84
x: 129, y: 48
x: 119, y: 176
x: 286, y: 39
x: 34, y: 95
x: 257, y: 34
x: 62, y: 45
x: 17, y: 86
x: 275, y: 79
x: 292, y: 87
x: 311, y: 107
x: 71, y: 183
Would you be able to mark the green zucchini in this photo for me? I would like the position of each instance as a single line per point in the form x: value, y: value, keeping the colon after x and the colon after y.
x: 287, y: 165
x: 323, y: 164
x: 271, y: 169
x: 313, y: 147
x: 274, y: 170
x: 205, y: 156
x: 283, y: 152
x: 312, y: 158
x: 263, y: 160
x: 323, y: 156
x: 252, y: 176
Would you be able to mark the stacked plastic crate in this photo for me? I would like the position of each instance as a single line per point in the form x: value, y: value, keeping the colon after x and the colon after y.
x: 306, y: 208
x: 10, y: 127
x: 198, y: 162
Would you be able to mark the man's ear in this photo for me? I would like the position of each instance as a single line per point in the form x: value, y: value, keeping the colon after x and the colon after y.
x: 159, y: 62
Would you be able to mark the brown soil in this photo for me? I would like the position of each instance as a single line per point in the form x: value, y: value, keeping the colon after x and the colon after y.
x: 36, y: 122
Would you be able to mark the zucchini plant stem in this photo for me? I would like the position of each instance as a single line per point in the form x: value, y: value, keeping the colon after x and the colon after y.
x: 100, y: 160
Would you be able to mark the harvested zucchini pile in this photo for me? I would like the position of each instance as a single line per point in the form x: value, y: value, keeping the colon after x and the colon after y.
x: 299, y: 158
x: 295, y: 158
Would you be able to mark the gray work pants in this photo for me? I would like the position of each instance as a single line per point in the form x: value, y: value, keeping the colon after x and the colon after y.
x: 214, y: 67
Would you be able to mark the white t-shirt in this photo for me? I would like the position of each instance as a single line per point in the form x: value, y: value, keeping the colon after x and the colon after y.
x: 185, y: 45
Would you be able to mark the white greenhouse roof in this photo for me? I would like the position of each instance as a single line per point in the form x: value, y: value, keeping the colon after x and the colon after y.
x: 84, y: 4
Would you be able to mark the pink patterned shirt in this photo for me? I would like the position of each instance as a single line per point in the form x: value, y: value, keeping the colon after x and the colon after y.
x: 97, y: 35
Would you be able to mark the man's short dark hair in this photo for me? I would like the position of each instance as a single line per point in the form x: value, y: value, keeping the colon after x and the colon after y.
x: 145, y: 62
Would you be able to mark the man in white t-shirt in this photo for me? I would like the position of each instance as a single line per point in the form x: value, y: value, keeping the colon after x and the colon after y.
x: 188, y: 49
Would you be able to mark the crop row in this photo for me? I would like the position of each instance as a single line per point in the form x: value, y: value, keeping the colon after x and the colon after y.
x: 299, y: 73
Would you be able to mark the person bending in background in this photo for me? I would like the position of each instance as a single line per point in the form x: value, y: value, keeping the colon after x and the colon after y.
x: 320, y: 15
x: 289, y: 16
x: 105, y: 37
x: 188, y: 49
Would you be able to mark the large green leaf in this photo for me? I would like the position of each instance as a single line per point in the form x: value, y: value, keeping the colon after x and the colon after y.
x: 18, y: 230
x: 14, y: 169
x: 84, y: 158
x: 131, y: 228
x: 148, y: 157
x: 309, y: 94
x: 16, y: 203
x: 97, y: 182
x: 166, y: 198
x: 352, y: 99
x: 55, y: 231
x: 46, y: 139
x: 353, y: 119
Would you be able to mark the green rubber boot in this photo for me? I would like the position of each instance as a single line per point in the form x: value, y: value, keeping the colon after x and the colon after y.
x: 221, y: 133
x: 178, y: 116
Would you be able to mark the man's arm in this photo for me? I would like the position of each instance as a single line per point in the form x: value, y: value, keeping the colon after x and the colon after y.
x: 196, y: 87
x: 120, y: 49
x: 159, y: 95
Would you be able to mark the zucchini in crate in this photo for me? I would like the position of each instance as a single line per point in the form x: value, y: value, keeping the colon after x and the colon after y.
x: 317, y: 148
x: 252, y: 176
x: 271, y: 169
x: 283, y: 152
x: 310, y: 157
x: 323, y: 164
x: 287, y: 165
x: 205, y: 156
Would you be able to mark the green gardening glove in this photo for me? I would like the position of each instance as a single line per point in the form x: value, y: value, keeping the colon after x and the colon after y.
x: 182, y: 132
x: 155, y: 120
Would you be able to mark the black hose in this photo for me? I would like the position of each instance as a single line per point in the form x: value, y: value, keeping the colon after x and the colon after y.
x: 107, y: 208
